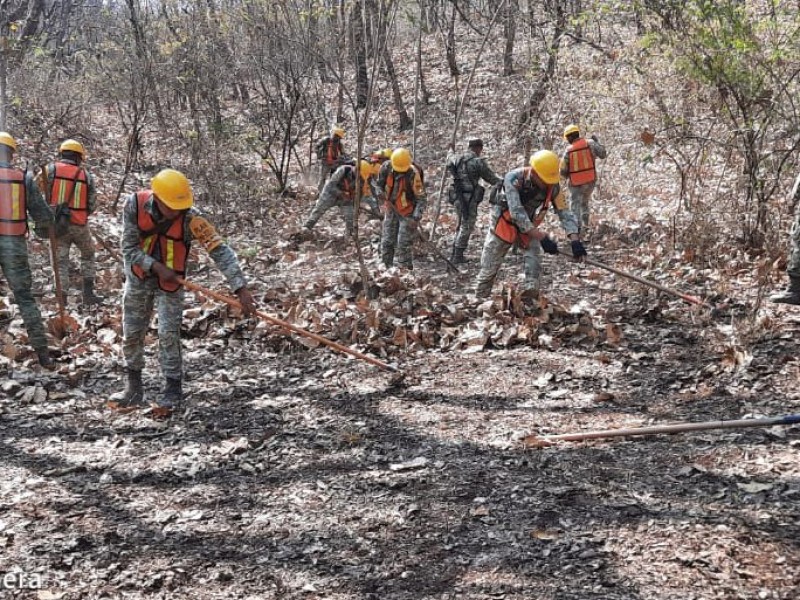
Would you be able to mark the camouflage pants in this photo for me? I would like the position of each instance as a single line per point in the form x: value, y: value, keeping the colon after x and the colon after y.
x: 466, y: 222
x: 579, y: 197
x: 793, y: 266
x: 324, y: 172
x: 17, y: 271
x: 494, y: 251
x: 397, y: 234
x: 81, y: 237
x: 325, y: 202
x: 137, y: 308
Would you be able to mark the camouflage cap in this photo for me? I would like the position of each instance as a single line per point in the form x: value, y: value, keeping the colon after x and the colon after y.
x: 475, y: 143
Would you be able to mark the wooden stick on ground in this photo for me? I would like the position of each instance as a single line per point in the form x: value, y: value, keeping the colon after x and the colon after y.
x: 533, y: 441
x: 288, y: 326
x: 685, y: 297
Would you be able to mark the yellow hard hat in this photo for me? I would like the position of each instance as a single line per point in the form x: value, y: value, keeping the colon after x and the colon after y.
x: 173, y: 189
x: 385, y: 153
x: 570, y: 129
x: 7, y: 140
x: 401, y: 160
x: 72, y: 146
x: 338, y: 132
x: 365, y: 169
x: 545, y: 163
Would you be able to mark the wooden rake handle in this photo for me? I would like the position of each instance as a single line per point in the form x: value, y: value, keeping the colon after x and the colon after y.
x: 685, y: 297
x: 287, y: 326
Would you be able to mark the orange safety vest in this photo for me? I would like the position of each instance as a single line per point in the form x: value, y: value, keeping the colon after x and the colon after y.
x: 581, y: 163
x: 169, y: 248
x: 13, y: 204
x: 334, y: 151
x: 347, y: 186
x: 404, y: 201
x: 70, y: 187
x: 508, y: 231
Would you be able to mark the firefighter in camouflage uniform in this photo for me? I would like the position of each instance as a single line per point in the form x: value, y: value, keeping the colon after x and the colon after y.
x: 528, y: 193
x: 71, y: 191
x: 401, y: 190
x: 159, y: 226
x: 578, y: 167
x: 330, y: 152
x: 20, y: 197
x: 340, y: 191
x: 466, y: 193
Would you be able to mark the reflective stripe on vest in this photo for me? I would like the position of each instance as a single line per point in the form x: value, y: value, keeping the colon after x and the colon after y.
x: 70, y: 187
x: 347, y: 185
x: 507, y: 230
x: 333, y: 152
x: 13, y: 203
x: 401, y: 201
x: 581, y: 163
x: 348, y: 188
x: 169, y: 248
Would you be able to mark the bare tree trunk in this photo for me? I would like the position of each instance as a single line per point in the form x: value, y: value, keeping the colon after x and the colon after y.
x: 532, y: 106
x: 450, y: 47
x: 405, y: 121
x: 459, y: 112
x: 426, y: 95
x: 63, y: 27
x: 359, y: 54
x: 510, y: 32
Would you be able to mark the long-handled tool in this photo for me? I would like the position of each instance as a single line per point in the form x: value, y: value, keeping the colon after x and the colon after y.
x: 533, y: 441
x: 62, y: 324
x: 288, y: 326
x: 685, y: 297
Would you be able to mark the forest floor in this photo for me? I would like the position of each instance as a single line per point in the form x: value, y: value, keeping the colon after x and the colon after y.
x: 293, y: 472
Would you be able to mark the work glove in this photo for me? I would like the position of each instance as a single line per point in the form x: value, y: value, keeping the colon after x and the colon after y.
x: 247, y: 302
x: 164, y: 273
x: 548, y: 245
x: 578, y: 250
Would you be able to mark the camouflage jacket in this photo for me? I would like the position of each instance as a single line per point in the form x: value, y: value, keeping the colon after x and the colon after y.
x: 196, y: 227
x: 470, y: 169
x: 518, y: 182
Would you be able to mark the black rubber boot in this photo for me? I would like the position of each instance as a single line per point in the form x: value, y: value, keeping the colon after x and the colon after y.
x: 458, y: 256
x: 791, y: 295
x: 133, y: 395
x: 172, y: 395
x: 89, y: 297
x: 44, y: 358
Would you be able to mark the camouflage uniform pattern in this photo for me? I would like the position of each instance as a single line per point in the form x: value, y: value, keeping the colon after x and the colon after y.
x: 495, y: 249
x: 141, y: 296
x: 16, y: 268
x: 326, y: 168
x: 79, y: 236
x: 793, y: 265
x: 471, y: 168
x: 581, y: 195
x: 333, y: 195
x: 398, y: 232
